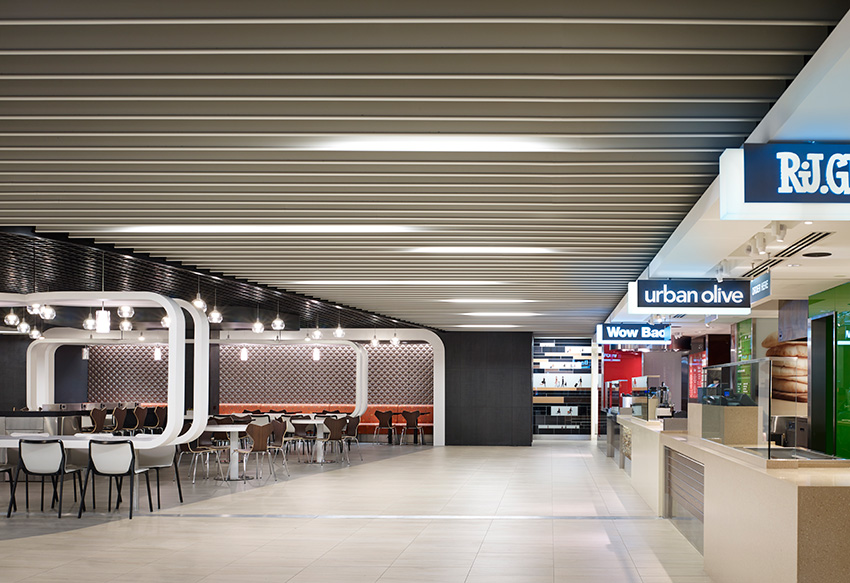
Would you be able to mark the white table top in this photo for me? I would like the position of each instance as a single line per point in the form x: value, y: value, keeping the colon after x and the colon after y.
x: 227, y: 428
x: 76, y: 441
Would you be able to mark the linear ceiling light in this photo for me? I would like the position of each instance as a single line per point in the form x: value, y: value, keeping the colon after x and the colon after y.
x: 484, y: 250
x: 234, y: 228
x: 442, y: 143
x: 502, y: 314
x: 486, y: 326
x: 389, y: 282
x: 486, y: 301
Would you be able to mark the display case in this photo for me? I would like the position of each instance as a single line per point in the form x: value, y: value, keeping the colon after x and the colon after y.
x: 738, y: 410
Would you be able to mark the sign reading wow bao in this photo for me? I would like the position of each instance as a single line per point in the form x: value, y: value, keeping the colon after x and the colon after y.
x: 633, y: 334
x: 689, y: 296
x: 785, y: 182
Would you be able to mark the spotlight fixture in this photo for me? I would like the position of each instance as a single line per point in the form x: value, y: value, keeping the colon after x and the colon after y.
x: 215, y: 317
x: 243, y: 354
x: 199, y: 302
x: 102, y: 320
x: 23, y: 327
x: 165, y: 322
x: 258, y: 327
x: 126, y: 312
x: 779, y: 231
x: 12, y: 319
x: 46, y: 312
x: 278, y: 324
x: 394, y: 340
x: 125, y: 325
x: 157, y: 353
x: 760, y: 243
x: 316, y: 354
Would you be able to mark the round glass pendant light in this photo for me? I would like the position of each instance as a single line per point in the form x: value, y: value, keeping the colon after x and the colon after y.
x: 215, y: 317
x: 316, y: 354
x: 198, y: 302
x: 339, y: 332
x: 89, y: 323
x: 125, y: 325
x: 165, y: 322
x: 12, y: 319
x: 141, y: 336
x: 46, y: 312
x: 375, y: 341
x: 258, y: 327
x: 32, y: 309
x: 394, y: 340
x: 307, y: 338
x: 278, y: 323
x: 23, y: 327
x: 35, y: 333
x: 126, y: 312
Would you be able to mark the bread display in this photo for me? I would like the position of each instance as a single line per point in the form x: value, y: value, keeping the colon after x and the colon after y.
x: 789, y: 368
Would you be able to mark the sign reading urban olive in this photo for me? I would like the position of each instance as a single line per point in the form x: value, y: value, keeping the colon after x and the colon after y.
x: 807, y: 173
x: 633, y: 334
x: 689, y: 296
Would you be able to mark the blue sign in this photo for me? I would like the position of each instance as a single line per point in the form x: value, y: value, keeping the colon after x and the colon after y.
x: 797, y: 173
x: 633, y: 334
x: 760, y: 287
x: 689, y: 296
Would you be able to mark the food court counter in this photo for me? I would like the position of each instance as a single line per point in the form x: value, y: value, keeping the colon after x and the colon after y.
x: 52, y: 422
x: 763, y: 521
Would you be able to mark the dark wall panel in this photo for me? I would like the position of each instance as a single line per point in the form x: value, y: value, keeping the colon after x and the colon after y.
x: 488, y: 388
x: 13, y: 380
x: 70, y: 375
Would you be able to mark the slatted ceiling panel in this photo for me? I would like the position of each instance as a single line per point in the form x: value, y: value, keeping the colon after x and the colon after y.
x: 126, y: 114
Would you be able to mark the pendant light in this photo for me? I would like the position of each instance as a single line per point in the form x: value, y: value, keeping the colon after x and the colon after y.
x: 198, y: 302
x: 394, y: 340
x: 317, y: 334
x: 35, y: 333
x: 141, y: 336
x: 375, y: 341
x: 12, y: 319
x: 258, y: 327
x: 157, y: 353
x: 33, y: 309
x: 243, y: 354
x: 89, y: 323
x: 125, y: 325
x: 23, y: 327
x: 316, y: 354
x: 126, y: 312
x: 102, y: 320
x: 307, y: 338
x: 46, y: 312
x: 339, y: 332
x: 215, y: 317
x: 166, y: 321
x: 278, y: 324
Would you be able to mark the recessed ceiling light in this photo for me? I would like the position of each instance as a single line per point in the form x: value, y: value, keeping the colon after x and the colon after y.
x: 486, y: 326
x: 807, y: 222
x: 301, y: 228
x: 486, y: 301
x: 483, y: 250
x: 388, y: 282
x: 793, y: 265
x: 817, y: 254
x: 502, y: 314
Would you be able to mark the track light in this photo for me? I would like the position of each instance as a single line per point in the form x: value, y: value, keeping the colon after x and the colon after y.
x: 779, y: 231
x: 760, y: 243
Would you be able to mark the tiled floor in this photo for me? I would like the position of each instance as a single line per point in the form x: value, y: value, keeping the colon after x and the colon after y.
x: 558, y: 511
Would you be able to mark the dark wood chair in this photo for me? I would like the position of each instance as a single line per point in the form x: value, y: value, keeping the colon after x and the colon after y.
x: 98, y: 419
x: 141, y: 415
x: 385, y: 421
x: 411, y: 419
x: 336, y: 427
x: 278, y: 441
x: 119, y: 414
x: 259, y: 435
x: 352, y: 423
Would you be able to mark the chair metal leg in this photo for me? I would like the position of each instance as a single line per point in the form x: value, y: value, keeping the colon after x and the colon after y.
x: 83, y: 493
x: 132, y: 485
x: 271, y: 466
x: 12, y: 496
x: 61, y: 490
x: 148, y: 482
x: 177, y: 478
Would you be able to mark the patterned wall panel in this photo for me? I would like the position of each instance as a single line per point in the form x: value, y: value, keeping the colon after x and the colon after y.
x: 288, y: 374
x: 127, y: 373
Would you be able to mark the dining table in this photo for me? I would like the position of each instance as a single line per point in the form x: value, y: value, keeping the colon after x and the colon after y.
x: 319, y: 423
x: 233, y: 430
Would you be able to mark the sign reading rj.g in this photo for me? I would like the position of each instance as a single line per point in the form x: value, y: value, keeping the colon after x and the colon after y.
x: 806, y: 173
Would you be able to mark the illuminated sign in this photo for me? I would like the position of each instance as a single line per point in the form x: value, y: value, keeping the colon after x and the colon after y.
x: 798, y: 181
x: 689, y: 296
x: 760, y: 287
x: 633, y: 334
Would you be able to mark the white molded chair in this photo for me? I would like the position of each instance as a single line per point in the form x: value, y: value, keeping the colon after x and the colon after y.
x: 45, y: 458
x: 114, y: 459
x: 159, y: 458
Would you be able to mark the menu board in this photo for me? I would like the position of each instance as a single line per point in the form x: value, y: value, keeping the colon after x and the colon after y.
x: 696, y: 361
x: 744, y: 351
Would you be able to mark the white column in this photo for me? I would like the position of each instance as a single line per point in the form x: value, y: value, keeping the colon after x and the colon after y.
x: 594, y: 389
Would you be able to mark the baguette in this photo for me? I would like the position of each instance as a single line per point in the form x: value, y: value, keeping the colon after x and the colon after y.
x: 799, y: 349
x: 790, y: 386
x: 796, y: 397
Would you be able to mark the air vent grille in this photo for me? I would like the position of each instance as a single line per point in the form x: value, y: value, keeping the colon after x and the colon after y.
x: 762, y: 267
x: 803, y: 243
